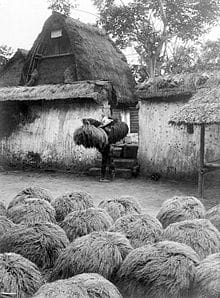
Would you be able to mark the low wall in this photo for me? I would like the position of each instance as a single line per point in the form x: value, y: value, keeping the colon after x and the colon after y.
x: 47, y: 141
x: 171, y: 150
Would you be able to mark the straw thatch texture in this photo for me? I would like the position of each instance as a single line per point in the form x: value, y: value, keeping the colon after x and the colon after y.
x: 83, y: 222
x: 164, y: 269
x: 31, y: 192
x: 32, y: 211
x: 95, y: 90
x: 208, y: 277
x: 2, y: 209
x: 69, y: 202
x: 140, y: 229
x: 213, y: 215
x: 180, y: 208
x: 118, y: 131
x: 5, y: 225
x: 119, y: 207
x: 19, y: 276
x: 86, y: 285
x: 200, y: 234
x: 90, y: 136
x: 93, y: 55
x: 204, y: 107
x: 98, y: 252
x: 40, y: 243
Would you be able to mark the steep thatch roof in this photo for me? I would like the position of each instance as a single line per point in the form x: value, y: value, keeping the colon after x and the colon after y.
x: 203, y: 108
x: 96, y: 90
x: 94, y: 56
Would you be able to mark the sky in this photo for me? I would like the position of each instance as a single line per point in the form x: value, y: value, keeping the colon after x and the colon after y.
x: 22, y: 20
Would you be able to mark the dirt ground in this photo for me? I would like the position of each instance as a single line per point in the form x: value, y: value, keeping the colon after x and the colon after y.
x: 149, y: 193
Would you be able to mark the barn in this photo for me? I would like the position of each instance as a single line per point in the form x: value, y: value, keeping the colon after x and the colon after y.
x: 73, y: 71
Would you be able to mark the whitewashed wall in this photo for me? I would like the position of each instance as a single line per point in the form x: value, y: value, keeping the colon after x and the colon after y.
x: 50, y: 137
x: 170, y: 150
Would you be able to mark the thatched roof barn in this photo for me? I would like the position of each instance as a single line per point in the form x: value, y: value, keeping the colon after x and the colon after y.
x: 67, y: 51
x: 10, y: 75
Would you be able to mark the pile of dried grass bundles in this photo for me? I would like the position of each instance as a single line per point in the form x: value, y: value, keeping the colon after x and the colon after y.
x: 69, y: 202
x: 200, y: 234
x: 90, y: 136
x: 18, y: 276
x: 40, y: 243
x: 97, y: 252
x: 31, y: 211
x: 140, y: 229
x: 180, y: 208
x: 160, y: 270
x: 86, y: 285
x: 119, y: 207
x: 213, y: 215
x: 2, y: 209
x: 31, y: 192
x: 118, y: 131
x: 5, y: 225
x: 83, y: 222
x: 208, y: 277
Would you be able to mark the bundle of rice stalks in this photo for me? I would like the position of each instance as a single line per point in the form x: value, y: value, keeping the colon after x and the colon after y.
x: 31, y: 192
x: 2, y: 209
x: 199, y: 234
x: 164, y: 269
x: 31, y: 211
x: 83, y: 222
x: 213, y: 215
x: 97, y: 252
x: 73, y: 201
x: 5, y: 225
x: 119, y: 207
x: 90, y: 136
x: 179, y: 209
x: 41, y: 243
x: 86, y: 285
x: 140, y: 229
x: 118, y: 131
x: 18, y: 276
x: 207, y: 283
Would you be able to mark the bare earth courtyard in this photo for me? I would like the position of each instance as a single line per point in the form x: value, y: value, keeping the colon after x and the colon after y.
x: 149, y: 193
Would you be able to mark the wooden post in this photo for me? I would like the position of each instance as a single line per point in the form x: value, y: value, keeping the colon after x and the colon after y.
x: 201, y: 161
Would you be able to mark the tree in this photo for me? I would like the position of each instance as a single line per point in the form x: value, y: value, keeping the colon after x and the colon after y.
x: 62, y: 6
x: 150, y: 25
x: 5, y: 53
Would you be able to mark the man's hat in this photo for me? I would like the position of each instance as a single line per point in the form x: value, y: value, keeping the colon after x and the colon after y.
x: 106, y: 121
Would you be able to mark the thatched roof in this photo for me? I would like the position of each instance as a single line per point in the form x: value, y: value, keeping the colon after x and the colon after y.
x: 96, y: 90
x: 203, y: 108
x: 94, y: 56
x: 172, y: 85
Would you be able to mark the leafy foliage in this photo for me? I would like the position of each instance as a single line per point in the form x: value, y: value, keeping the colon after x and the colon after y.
x: 62, y: 6
x: 5, y: 54
x: 149, y: 26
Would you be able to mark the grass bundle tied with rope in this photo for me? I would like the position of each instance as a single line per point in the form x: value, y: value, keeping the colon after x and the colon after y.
x: 121, y: 206
x: 160, y: 270
x: 41, y: 243
x: 199, y: 234
x: 19, y: 277
x: 32, y: 211
x: 213, y: 215
x: 5, y: 225
x: 31, y: 192
x: 83, y: 222
x: 90, y: 136
x: 69, y: 202
x: 207, y: 282
x: 2, y: 209
x: 180, y: 208
x: 140, y: 229
x: 97, y: 252
x: 118, y: 132
x: 86, y: 285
